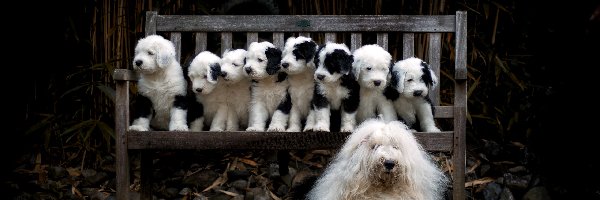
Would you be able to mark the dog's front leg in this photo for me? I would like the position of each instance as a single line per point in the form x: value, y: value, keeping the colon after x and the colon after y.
x: 178, y: 113
x: 348, y: 121
x: 310, y: 121
x: 386, y: 108
x: 425, y: 115
x: 281, y: 116
x: 220, y: 118
x: 295, y: 121
x: 258, y: 117
x: 232, y: 120
x: 142, y: 114
x: 322, y: 119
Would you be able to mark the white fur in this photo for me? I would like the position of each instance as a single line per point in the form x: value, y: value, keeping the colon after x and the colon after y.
x: 209, y: 92
x: 408, y: 106
x: 266, y: 92
x: 161, y: 79
x: 381, y: 160
x: 237, y: 85
x: 300, y: 76
x: 330, y: 87
x: 371, y: 66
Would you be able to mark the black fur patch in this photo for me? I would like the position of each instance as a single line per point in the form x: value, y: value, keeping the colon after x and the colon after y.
x: 195, y: 108
x: 426, y: 74
x: 215, y: 71
x: 143, y: 107
x: 338, y: 61
x: 305, y: 50
x: 286, y: 105
x: 281, y: 77
x: 180, y: 102
x: 273, y: 60
x: 317, y: 60
x: 350, y: 104
x: 319, y: 100
x: 390, y: 91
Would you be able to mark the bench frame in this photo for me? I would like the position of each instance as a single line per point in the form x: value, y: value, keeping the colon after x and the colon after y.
x: 409, y: 25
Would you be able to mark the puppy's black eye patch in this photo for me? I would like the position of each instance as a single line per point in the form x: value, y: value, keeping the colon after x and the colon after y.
x: 409, y: 80
x: 150, y: 53
x: 260, y: 60
x: 369, y: 68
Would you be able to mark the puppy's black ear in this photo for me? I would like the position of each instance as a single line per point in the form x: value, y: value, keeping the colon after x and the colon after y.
x: 429, y: 77
x: 346, y: 67
x: 317, y: 60
x: 273, y: 60
x: 215, y: 72
x: 305, y: 50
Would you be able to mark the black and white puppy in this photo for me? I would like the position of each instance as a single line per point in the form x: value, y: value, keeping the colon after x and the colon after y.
x: 204, y: 72
x: 372, y: 66
x: 271, y: 101
x: 411, y: 81
x: 336, y: 90
x: 161, y: 101
x: 237, y: 84
x: 297, y: 62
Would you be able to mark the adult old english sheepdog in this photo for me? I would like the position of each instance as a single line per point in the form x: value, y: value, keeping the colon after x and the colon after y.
x: 372, y: 66
x: 161, y: 101
x: 411, y: 81
x: 204, y: 72
x: 237, y: 84
x: 297, y: 62
x: 270, y: 100
x: 336, y: 91
x: 381, y: 160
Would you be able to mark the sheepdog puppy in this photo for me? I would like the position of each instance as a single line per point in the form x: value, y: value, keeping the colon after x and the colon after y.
x: 336, y: 90
x: 381, y: 160
x: 297, y: 62
x: 411, y: 81
x: 270, y: 101
x: 204, y: 72
x: 372, y: 69
x: 161, y: 101
x: 237, y: 84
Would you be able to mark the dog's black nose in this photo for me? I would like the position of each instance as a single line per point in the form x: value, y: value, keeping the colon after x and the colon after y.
x: 224, y: 74
x: 285, y: 65
x: 320, y: 76
x: 198, y: 89
x: 417, y: 93
x: 389, y: 164
x: 138, y: 62
x: 377, y: 83
x: 248, y: 70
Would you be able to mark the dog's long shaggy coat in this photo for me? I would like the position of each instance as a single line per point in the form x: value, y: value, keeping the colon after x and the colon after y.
x: 380, y: 160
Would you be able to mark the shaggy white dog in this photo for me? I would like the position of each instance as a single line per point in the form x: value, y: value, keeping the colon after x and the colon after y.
x: 372, y: 69
x: 336, y: 90
x: 161, y: 101
x: 297, y: 62
x: 204, y: 72
x: 270, y: 100
x: 237, y: 87
x: 381, y: 160
x: 411, y: 81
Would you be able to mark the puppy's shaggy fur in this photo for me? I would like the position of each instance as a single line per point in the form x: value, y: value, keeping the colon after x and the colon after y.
x: 237, y: 84
x: 271, y: 101
x: 204, y: 72
x: 381, y: 160
x: 336, y: 90
x: 412, y: 79
x: 162, y: 88
x: 297, y: 62
x: 372, y: 69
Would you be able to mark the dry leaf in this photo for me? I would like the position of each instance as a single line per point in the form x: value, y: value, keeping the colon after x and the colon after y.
x: 248, y: 162
x: 233, y: 194
x: 479, y: 181
x: 273, y: 196
x: 219, y: 181
x: 74, y: 171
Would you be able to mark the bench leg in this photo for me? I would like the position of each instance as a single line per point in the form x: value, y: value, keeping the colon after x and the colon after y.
x: 146, y: 175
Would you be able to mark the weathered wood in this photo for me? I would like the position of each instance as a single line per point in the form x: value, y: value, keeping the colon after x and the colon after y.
x: 145, y: 174
x: 330, y: 37
x: 460, y: 71
x: 355, y: 41
x: 121, y: 146
x: 279, y: 40
x: 125, y: 75
x: 250, y: 38
x: 305, y: 23
x: 201, y: 42
x: 382, y: 40
x: 460, y: 144
x: 150, y: 28
x: 408, y: 45
x: 263, y: 140
x: 226, y: 41
x: 434, y: 54
x: 176, y: 39
x: 305, y: 34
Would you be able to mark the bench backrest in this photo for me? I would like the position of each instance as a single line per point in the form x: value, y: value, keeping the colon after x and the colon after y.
x: 350, y: 29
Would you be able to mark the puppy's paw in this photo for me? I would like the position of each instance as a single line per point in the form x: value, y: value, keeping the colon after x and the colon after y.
x: 276, y: 128
x: 347, y: 129
x: 255, y: 129
x: 321, y: 127
x: 293, y: 129
x: 432, y: 129
x: 216, y: 129
x: 138, y: 128
x: 178, y: 127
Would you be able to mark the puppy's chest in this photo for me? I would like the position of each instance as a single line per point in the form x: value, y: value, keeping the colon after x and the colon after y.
x: 301, y: 88
x: 335, y: 93
x: 269, y: 92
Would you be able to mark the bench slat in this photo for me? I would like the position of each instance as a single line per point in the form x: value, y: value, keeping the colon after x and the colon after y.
x: 305, y: 23
x: 176, y: 39
x: 435, y: 45
x: 226, y: 41
x: 201, y: 43
x: 355, y: 41
x: 408, y: 45
x: 263, y: 140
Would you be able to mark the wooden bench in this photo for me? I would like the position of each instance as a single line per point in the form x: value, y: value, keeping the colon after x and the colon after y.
x: 331, y: 28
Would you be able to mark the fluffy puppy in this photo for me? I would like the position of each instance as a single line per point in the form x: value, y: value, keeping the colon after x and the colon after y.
x: 237, y: 84
x: 161, y: 100
x: 204, y: 72
x: 381, y: 160
x: 411, y: 81
x: 336, y: 90
x: 270, y: 100
x: 297, y: 62
x: 371, y: 66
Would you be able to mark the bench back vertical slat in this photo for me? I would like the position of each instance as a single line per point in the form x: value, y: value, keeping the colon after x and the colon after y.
x: 434, y: 54
x: 460, y: 106
x: 250, y: 38
x: 382, y: 40
x: 330, y: 37
x: 201, y: 43
x: 305, y: 34
x: 355, y: 41
x: 176, y: 39
x: 279, y: 40
x: 226, y: 41
x: 408, y: 45
x: 121, y: 124
x: 150, y: 27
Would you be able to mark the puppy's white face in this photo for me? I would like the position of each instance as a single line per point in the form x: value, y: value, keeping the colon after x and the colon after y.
x: 372, y: 64
x: 153, y: 53
x: 333, y: 61
x: 262, y: 60
x: 232, y: 66
x: 414, y: 77
x: 298, y: 55
x: 204, y: 72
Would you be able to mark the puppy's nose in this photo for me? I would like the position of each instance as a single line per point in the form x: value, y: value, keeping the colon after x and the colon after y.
x: 138, y: 62
x: 377, y: 83
x: 198, y: 89
x: 248, y: 70
x: 285, y: 65
x: 320, y: 76
x: 417, y: 93
x: 389, y: 164
x: 224, y: 74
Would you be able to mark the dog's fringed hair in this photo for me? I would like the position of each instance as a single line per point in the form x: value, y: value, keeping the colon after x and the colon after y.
x: 381, y: 160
